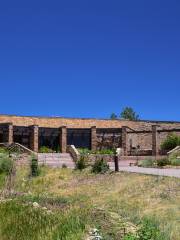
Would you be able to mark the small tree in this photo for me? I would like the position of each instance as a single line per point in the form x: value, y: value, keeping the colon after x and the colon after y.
x: 130, y: 114
x: 113, y: 116
x: 170, y: 142
x: 34, y: 166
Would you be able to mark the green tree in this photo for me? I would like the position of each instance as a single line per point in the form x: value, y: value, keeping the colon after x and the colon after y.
x: 113, y: 116
x: 130, y: 114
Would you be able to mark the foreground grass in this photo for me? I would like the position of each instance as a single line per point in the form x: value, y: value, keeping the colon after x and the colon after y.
x: 71, y: 202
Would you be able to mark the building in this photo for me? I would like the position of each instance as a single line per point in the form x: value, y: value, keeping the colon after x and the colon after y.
x: 143, y: 137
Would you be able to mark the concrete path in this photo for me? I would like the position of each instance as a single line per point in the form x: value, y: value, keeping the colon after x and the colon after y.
x: 170, y: 172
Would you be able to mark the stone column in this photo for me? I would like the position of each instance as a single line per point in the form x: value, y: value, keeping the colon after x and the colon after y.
x: 63, y: 139
x: 8, y: 133
x: 124, y: 140
x: 34, y: 138
x: 154, y: 140
x: 93, y: 138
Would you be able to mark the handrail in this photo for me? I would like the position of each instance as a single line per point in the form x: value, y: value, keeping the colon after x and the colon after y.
x: 20, y: 147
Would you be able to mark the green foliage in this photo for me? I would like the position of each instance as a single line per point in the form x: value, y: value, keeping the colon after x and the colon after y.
x: 81, y: 163
x: 170, y: 142
x: 163, y: 162
x: 146, y: 163
x: 45, y: 149
x: 113, y: 116
x: 100, y: 166
x: 130, y: 114
x: 149, y: 230
x: 6, y: 163
x: 3, y: 150
x: 130, y: 237
x: 175, y: 161
x: 85, y: 151
x: 35, y: 171
x: 24, y: 222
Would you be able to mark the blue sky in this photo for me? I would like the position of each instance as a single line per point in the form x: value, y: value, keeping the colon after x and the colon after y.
x: 90, y: 58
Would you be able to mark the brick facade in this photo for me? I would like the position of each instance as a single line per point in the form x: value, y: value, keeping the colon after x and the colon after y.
x: 33, y: 132
x: 63, y: 139
x: 93, y: 138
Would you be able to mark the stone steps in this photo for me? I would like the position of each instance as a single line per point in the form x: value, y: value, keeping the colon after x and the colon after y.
x: 56, y: 159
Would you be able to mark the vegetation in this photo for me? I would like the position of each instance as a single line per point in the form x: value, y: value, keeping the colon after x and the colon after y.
x: 45, y: 149
x: 130, y: 114
x: 85, y: 151
x: 127, y: 113
x: 100, y: 166
x: 6, y: 162
x: 146, y: 163
x: 113, y: 116
x: 34, y: 167
x: 171, y: 161
x: 81, y: 163
x: 175, y: 161
x: 170, y: 142
x: 65, y: 204
x: 163, y: 162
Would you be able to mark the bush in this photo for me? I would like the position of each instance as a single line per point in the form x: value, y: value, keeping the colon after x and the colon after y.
x: 149, y: 230
x: 6, y: 164
x: 64, y: 165
x: 175, y: 161
x: 3, y: 150
x: 45, y: 149
x: 170, y: 142
x: 163, y: 162
x: 100, y: 166
x: 146, y: 163
x: 85, y: 151
x: 81, y: 163
x: 34, y: 167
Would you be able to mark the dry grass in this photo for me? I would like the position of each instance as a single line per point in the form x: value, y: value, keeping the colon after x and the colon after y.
x: 125, y: 195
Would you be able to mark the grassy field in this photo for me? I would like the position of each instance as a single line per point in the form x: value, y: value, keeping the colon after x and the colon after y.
x: 71, y: 202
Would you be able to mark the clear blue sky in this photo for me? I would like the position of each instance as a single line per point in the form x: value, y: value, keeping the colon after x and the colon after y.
x: 90, y: 58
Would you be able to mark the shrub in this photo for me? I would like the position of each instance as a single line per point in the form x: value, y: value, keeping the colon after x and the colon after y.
x: 146, y: 163
x: 3, y: 150
x: 104, y: 151
x: 170, y: 142
x: 6, y: 164
x: 64, y: 165
x: 163, y: 162
x: 34, y: 167
x: 149, y: 230
x: 81, y: 163
x: 100, y: 166
x: 175, y: 161
x: 85, y: 151
x: 45, y: 149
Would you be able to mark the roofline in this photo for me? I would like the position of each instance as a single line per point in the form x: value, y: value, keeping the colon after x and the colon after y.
x: 107, y: 119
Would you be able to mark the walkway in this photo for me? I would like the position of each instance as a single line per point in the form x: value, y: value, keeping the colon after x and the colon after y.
x: 170, y: 172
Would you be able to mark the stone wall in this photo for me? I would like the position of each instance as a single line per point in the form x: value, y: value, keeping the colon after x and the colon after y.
x: 56, y: 122
x: 108, y: 138
x: 53, y: 132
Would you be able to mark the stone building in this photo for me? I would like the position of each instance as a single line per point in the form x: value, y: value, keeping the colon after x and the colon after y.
x: 134, y: 137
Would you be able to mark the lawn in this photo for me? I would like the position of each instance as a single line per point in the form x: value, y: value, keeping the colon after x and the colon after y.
x: 70, y: 203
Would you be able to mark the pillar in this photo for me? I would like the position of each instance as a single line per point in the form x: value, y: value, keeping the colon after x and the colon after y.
x: 93, y: 138
x: 10, y: 133
x: 63, y: 139
x: 154, y: 140
x: 34, y: 138
x: 124, y: 140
